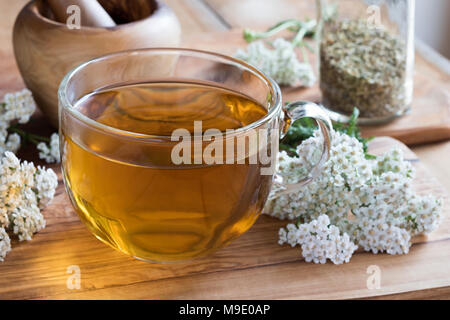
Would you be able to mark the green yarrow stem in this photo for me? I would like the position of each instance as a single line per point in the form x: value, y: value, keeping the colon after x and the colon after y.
x: 307, y: 29
x: 302, y: 29
x: 28, y: 137
x: 291, y: 24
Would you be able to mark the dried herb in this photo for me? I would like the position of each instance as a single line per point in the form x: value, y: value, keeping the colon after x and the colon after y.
x: 362, y: 66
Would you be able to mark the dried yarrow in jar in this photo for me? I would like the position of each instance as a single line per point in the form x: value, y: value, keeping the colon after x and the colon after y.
x: 366, y: 59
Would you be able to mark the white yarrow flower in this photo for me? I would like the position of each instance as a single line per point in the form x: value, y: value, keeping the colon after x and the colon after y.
x: 5, y: 244
x: 50, y: 152
x: 281, y: 63
x: 18, y: 106
x: 320, y: 241
x: 45, y: 182
x: 369, y: 201
x: 24, y: 191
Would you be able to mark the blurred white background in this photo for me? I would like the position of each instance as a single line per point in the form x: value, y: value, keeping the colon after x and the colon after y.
x: 433, y: 24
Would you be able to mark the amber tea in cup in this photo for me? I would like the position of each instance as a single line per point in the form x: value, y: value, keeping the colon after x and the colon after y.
x: 170, y: 212
x: 118, y: 114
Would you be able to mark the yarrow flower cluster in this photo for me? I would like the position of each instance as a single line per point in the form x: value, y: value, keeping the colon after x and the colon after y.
x: 16, y: 107
x: 50, y: 152
x: 319, y: 241
x: 24, y: 191
x: 280, y: 63
x: 370, y: 200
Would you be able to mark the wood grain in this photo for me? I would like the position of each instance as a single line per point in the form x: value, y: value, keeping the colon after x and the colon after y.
x: 427, y: 294
x: 428, y: 121
x: 10, y: 79
x: 436, y: 156
x: 261, y: 14
x: 195, y: 17
x: 252, y: 267
x: 291, y: 280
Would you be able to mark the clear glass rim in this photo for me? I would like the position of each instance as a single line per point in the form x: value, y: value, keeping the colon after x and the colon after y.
x: 69, y: 107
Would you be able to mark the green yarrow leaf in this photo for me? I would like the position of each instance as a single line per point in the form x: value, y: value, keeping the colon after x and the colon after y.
x: 304, y: 128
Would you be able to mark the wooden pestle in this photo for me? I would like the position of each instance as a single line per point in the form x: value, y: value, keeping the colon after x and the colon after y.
x: 92, y: 13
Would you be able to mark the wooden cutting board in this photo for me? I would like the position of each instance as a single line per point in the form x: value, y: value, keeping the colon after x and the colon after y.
x: 428, y: 121
x: 252, y: 267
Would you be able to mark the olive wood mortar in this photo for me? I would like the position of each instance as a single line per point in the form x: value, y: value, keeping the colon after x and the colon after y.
x: 47, y: 50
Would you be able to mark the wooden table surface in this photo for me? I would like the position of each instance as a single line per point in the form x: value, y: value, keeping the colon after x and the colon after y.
x: 220, y: 15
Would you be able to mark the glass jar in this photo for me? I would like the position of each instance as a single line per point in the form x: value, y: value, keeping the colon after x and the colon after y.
x: 366, y: 50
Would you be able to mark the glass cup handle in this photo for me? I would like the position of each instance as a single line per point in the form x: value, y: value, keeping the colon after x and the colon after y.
x: 295, y: 111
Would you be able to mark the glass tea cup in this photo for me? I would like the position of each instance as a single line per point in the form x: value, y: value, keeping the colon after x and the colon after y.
x: 134, y: 189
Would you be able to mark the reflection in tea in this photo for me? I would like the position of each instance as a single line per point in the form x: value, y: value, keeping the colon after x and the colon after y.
x: 149, y: 207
